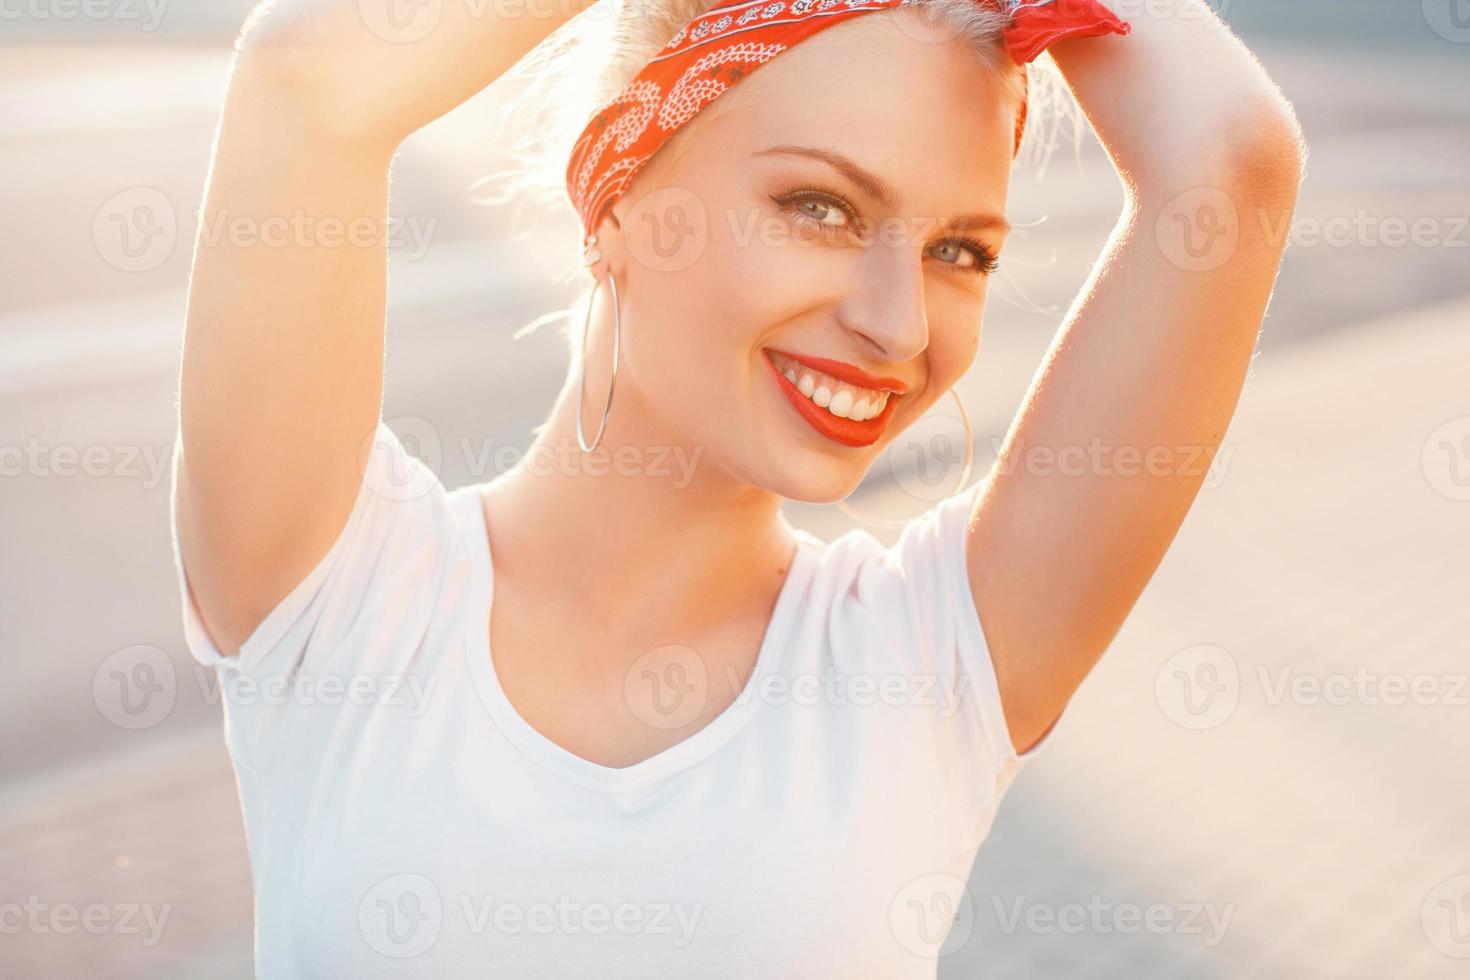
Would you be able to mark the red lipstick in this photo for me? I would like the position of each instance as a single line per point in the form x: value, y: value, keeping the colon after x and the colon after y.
x: 846, y: 432
x: 843, y: 371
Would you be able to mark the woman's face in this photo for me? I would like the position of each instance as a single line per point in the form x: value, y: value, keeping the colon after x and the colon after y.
x: 821, y: 250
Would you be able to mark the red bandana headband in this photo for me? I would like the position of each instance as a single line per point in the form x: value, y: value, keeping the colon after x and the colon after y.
x: 724, y: 45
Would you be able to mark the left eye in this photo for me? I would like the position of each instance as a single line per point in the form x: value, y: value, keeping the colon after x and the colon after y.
x: 968, y: 256
x: 954, y: 253
x: 822, y: 212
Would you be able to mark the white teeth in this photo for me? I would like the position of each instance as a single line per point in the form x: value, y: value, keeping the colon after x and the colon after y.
x: 841, y: 399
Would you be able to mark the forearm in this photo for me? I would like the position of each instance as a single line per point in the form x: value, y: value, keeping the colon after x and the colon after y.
x: 1180, y: 103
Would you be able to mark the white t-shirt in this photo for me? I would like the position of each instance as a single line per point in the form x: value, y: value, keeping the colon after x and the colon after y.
x: 404, y: 821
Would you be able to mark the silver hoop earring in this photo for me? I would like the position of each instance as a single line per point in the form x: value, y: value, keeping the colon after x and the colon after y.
x: 856, y: 514
x: 591, y: 256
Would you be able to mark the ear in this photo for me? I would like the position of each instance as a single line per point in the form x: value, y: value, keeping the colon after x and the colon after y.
x: 609, y: 248
x: 612, y: 222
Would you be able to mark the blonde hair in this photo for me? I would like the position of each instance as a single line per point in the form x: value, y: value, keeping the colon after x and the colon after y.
x: 560, y: 84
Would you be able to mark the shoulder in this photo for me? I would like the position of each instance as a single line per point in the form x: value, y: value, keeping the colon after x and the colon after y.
x: 902, y: 615
x: 924, y: 557
x: 911, y: 597
x: 405, y: 536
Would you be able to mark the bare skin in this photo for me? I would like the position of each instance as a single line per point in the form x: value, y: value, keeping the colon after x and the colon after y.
x: 282, y: 375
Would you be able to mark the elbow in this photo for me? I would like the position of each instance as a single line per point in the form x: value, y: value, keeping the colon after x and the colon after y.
x: 273, y: 52
x: 1263, y: 155
x: 1249, y: 147
x: 301, y: 76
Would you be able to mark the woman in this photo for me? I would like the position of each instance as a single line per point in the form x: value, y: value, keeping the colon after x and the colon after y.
x: 706, y: 744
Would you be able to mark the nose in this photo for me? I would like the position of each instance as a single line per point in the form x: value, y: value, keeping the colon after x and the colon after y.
x: 886, y: 306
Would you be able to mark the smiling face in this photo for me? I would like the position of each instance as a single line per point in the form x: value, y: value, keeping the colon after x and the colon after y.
x: 853, y: 194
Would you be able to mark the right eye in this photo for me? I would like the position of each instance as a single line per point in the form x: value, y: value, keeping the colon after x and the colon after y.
x: 821, y: 209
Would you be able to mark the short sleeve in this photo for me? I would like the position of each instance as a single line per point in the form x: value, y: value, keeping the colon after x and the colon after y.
x: 932, y: 571
x: 907, y: 611
x: 390, y: 552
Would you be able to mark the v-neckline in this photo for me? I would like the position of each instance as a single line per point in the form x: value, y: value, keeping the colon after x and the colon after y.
x: 470, y: 505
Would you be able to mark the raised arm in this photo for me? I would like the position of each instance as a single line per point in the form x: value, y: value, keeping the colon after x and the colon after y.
x: 1120, y: 425
x: 283, y: 355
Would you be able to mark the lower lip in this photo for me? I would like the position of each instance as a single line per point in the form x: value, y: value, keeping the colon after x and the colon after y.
x: 845, y: 432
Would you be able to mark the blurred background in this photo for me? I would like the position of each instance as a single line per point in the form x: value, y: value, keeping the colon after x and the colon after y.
x: 1267, y: 776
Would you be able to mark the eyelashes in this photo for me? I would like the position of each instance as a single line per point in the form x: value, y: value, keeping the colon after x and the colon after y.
x: 985, y: 259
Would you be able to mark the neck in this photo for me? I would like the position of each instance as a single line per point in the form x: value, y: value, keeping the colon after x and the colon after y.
x: 645, y: 514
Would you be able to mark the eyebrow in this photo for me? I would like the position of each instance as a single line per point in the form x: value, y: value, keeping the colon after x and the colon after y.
x: 873, y: 185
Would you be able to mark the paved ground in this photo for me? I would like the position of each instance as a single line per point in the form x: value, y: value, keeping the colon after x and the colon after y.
x: 1187, y: 774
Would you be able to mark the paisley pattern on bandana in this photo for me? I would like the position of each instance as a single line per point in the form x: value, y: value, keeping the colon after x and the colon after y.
x: 719, y: 48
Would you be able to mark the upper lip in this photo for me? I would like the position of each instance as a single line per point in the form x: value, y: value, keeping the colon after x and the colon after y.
x: 850, y: 373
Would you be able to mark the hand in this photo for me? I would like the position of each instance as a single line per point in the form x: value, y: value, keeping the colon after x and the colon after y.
x: 379, y: 70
